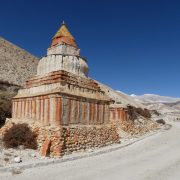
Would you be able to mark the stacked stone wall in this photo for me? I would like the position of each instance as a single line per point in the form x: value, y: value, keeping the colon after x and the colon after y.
x: 78, y: 138
x: 59, y: 141
x: 75, y: 138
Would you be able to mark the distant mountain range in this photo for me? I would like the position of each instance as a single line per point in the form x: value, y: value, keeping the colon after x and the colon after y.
x: 163, y: 104
x: 152, y: 98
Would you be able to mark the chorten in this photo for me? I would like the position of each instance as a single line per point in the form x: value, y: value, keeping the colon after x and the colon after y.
x: 69, y: 109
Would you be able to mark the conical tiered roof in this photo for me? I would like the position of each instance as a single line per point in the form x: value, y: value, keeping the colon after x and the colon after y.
x: 63, y: 36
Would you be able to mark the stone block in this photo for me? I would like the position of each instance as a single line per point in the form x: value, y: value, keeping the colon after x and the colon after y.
x: 45, y: 148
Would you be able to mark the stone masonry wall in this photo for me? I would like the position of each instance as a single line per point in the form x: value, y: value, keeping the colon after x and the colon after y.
x: 74, y: 138
x: 77, y: 138
x: 56, y: 142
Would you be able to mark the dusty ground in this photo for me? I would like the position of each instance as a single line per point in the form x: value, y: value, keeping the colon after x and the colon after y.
x: 7, y: 156
x: 156, y: 157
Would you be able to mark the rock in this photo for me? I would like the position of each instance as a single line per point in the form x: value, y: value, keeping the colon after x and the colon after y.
x: 45, y: 149
x: 21, y: 147
x: 33, y: 155
x: 16, y: 171
x: 161, y: 121
x: 17, y: 159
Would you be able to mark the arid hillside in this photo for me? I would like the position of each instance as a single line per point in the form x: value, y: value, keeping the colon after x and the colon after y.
x: 120, y: 98
x: 16, y: 66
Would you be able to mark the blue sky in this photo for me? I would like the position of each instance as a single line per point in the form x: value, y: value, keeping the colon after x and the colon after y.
x: 132, y: 46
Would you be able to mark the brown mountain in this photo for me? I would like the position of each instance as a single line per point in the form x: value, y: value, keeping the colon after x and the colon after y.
x: 16, y: 66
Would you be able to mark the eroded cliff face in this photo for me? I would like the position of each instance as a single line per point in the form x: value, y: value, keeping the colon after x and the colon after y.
x: 16, y: 66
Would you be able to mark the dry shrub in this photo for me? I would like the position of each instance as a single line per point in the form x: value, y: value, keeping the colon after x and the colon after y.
x: 155, y: 112
x: 161, y: 121
x: 20, y: 134
x: 4, y: 114
x: 143, y: 112
x: 7, y: 92
x: 133, y: 112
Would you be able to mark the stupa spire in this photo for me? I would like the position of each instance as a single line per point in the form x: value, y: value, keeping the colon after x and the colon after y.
x: 63, y: 35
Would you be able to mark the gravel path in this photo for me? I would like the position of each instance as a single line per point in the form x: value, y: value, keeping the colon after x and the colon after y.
x: 156, y: 157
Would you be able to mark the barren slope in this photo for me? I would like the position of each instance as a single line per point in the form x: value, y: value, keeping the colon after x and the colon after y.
x: 16, y: 64
x: 119, y: 97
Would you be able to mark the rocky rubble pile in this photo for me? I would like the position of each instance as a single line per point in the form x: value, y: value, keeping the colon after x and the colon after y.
x: 139, y: 126
x: 139, y: 121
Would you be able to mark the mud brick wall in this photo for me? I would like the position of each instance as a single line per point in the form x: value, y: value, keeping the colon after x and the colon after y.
x: 118, y: 114
x: 58, y: 110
